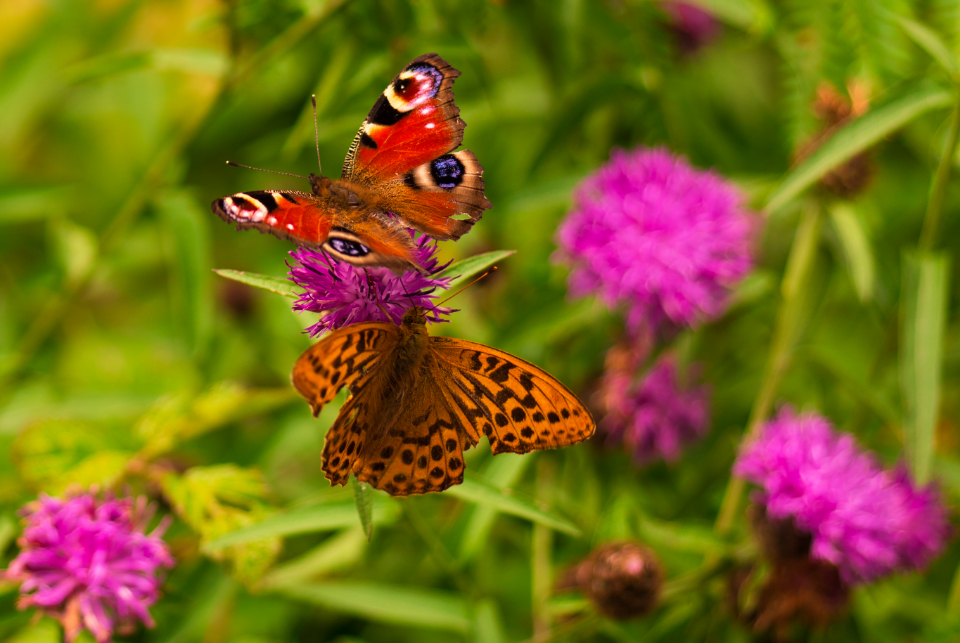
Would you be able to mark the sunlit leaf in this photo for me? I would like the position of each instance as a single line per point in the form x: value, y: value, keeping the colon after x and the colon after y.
x: 339, y: 552
x: 923, y: 311
x: 76, y: 247
x: 394, y: 604
x: 503, y: 472
x: 217, y: 500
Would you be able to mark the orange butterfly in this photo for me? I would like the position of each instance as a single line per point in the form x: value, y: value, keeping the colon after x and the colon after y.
x: 401, y: 172
x: 418, y: 401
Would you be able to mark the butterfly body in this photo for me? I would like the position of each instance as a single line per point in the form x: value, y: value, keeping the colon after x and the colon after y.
x: 417, y: 402
x: 401, y: 172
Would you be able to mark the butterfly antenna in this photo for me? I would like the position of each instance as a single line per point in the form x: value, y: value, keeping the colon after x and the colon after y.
x: 260, y: 169
x: 316, y: 132
x: 493, y: 269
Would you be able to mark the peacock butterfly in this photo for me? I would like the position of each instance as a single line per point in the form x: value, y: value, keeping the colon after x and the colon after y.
x: 401, y: 172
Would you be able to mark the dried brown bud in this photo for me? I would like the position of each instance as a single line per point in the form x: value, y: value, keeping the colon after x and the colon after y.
x: 621, y: 579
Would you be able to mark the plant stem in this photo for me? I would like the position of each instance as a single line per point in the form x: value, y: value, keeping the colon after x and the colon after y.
x: 938, y: 187
x: 789, y: 325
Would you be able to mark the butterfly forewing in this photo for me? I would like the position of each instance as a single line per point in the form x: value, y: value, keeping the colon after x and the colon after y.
x: 518, y: 406
x: 345, y: 357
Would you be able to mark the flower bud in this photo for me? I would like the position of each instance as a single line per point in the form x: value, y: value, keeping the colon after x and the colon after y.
x: 621, y: 579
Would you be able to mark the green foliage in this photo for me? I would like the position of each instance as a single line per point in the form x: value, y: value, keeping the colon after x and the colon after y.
x: 127, y: 364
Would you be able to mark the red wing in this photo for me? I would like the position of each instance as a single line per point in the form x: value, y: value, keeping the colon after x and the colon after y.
x: 359, y: 238
x: 402, y: 153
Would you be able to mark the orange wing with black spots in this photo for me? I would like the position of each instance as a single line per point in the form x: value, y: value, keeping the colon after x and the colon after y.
x: 518, y: 406
x: 418, y: 402
x: 345, y: 357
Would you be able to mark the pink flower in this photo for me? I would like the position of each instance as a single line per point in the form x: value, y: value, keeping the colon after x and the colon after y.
x: 348, y: 295
x: 88, y: 563
x: 652, y: 234
x: 658, y: 418
x: 867, y: 521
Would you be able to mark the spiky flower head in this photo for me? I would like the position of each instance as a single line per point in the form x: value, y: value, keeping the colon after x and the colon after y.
x: 867, y: 521
x: 658, y: 417
x: 344, y: 294
x: 88, y: 562
x: 650, y: 233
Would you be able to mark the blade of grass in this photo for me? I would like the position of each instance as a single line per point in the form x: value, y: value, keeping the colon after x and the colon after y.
x: 858, y: 136
x: 923, y: 309
x: 363, y: 498
x: 473, y: 490
x: 462, y: 271
x: 394, y: 604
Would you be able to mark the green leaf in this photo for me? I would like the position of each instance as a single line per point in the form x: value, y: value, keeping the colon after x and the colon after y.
x: 28, y: 203
x: 487, y: 627
x: 186, y: 228
x: 337, y: 553
x: 217, y: 500
x: 682, y: 537
x: 177, y: 418
x: 53, y: 454
x: 76, y: 247
x: 273, y: 284
x: 45, y: 631
x: 473, y: 490
x: 363, y: 497
x: 394, y: 604
x: 857, y: 252
x: 923, y: 303
x: 503, y: 471
x: 462, y: 271
x: 753, y: 16
x: 930, y: 41
x: 858, y: 136
x: 326, y: 517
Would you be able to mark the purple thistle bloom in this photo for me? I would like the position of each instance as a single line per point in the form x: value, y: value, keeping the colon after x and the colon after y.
x: 867, y: 521
x: 660, y: 417
x: 88, y: 563
x: 350, y: 295
x: 693, y: 25
x: 653, y: 234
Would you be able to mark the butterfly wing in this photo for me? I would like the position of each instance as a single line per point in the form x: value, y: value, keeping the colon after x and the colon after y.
x: 404, y: 153
x: 518, y: 406
x: 418, y: 449
x: 372, y: 240
x: 346, y: 357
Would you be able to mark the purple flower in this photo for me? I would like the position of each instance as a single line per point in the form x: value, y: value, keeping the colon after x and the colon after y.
x: 693, y: 25
x: 350, y: 295
x: 88, y: 563
x: 867, y: 521
x: 659, y: 418
x: 651, y: 233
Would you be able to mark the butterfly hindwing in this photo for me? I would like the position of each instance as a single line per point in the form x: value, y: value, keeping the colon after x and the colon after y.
x: 517, y: 405
x: 420, y: 449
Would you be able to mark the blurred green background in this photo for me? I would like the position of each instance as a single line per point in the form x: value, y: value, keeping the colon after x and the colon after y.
x: 124, y: 360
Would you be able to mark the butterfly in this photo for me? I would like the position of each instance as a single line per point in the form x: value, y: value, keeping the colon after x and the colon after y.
x: 417, y: 402
x: 401, y: 172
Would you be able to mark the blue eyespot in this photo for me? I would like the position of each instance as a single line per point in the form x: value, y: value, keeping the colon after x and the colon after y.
x: 348, y: 247
x: 447, y: 171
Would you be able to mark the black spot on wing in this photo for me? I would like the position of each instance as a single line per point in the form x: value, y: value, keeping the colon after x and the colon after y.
x: 383, y: 113
x: 367, y: 141
x: 266, y: 199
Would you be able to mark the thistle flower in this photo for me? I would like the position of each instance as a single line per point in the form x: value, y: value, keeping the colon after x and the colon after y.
x: 346, y: 294
x: 658, y: 237
x: 88, y: 563
x: 659, y: 417
x: 622, y: 579
x: 867, y: 521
